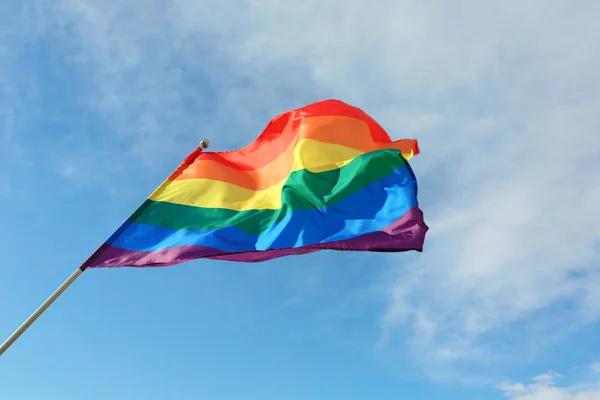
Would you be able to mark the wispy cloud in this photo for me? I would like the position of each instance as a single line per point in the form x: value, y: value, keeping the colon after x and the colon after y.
x: 545, y: 387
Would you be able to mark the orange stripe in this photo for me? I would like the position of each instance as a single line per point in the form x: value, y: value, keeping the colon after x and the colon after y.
x: 345, y: 131
x: 282, y: 130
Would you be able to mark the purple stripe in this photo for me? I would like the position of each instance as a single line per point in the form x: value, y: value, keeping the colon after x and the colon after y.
x: 405, y: 234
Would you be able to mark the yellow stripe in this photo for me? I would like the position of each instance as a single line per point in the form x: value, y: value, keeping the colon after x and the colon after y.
x: 207, y: 193
x: 316, y: 156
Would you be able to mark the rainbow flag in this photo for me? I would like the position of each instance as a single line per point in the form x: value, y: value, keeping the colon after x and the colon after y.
x: 323, y: 177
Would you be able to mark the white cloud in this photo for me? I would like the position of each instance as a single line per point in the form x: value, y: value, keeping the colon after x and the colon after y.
x: 545, y: 387
x: 503, y: 97
x: 166, y: 74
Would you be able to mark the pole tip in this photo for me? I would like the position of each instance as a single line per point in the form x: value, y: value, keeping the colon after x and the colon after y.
x: 204, y: 143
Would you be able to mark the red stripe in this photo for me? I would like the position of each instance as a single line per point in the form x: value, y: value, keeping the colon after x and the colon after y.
x: 282, y: 130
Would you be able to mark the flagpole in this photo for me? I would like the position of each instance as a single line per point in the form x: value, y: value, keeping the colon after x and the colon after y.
x: 40, y: 310
x: 4, y: 346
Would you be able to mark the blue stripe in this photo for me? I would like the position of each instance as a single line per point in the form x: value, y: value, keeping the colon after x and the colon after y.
x: 371, y: 209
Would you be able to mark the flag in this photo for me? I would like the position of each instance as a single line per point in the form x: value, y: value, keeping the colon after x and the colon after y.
x: 322, y: 177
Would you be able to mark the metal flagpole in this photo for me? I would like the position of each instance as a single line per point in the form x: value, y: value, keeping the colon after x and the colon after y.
x: 4, y: 346
x: 40, y: 310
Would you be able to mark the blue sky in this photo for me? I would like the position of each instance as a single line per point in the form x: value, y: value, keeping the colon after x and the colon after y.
x: 100, y: 100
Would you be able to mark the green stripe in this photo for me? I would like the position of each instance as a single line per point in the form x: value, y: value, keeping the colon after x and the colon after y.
x: 302, y: 190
